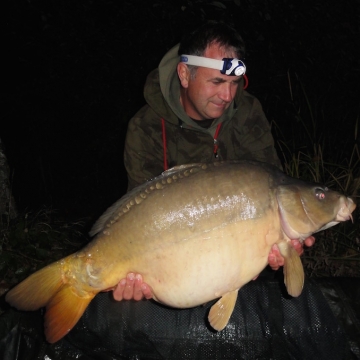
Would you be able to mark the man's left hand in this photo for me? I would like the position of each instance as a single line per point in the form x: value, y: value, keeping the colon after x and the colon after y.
x: 276, y: 260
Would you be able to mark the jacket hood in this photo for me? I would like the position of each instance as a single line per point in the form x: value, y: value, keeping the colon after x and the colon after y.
x: 162, y: 93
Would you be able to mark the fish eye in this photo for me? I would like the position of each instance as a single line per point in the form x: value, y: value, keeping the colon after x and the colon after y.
x: 320, y: 193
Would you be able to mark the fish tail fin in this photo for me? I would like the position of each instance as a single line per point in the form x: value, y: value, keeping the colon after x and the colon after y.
x: 64, y: 311
x: 293, y: 269
x: 36, y: 290
x: 64, y: 303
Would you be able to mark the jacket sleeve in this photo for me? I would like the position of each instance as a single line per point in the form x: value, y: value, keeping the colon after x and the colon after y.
x: 143, y: 152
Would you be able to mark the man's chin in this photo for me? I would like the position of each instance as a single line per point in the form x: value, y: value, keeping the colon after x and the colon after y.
x: 215, y: 114
x: 216, y: 111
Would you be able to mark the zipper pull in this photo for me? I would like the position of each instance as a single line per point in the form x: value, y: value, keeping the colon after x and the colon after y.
x: 216, y: 142
x: 216, y: 146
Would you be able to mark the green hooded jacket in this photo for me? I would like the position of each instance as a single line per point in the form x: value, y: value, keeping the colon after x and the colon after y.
x: 244, y: 133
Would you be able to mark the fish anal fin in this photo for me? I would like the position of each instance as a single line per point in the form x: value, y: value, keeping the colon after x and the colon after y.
x: 221, y: 311
x: 63, y: 312
x: 36, y: 290
x: 293, y: 269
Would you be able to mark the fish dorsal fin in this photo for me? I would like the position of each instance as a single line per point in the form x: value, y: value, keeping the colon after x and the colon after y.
x: 221, y: 311
x: 140, y: 193
x: 293, y: 269
x: 181, y: 168
x: 63, y: 312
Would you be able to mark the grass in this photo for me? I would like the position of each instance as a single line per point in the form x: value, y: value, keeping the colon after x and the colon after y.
x: 33, y: 240
x: 311, y: 155
x: 337, y: 250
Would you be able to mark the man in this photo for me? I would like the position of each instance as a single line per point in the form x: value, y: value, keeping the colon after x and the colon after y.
x: 197, y: 111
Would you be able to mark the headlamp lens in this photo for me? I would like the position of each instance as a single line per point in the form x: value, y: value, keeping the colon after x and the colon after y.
x: 233, y: 67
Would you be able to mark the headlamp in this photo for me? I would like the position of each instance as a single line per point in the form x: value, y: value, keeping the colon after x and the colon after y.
x: 227, y: 66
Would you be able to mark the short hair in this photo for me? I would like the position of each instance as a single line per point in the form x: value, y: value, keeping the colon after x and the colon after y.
x: 196, y: 42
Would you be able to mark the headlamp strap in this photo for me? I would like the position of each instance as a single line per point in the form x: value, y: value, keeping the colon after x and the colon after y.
x: 227, y: 66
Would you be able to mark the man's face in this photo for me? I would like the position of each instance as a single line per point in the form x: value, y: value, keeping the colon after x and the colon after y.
x: 209, y: 93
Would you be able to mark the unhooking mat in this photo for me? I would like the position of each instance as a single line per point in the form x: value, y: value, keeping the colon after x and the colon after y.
x: 322, y: 323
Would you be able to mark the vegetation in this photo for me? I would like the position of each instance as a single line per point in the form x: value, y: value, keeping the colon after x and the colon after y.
x: 310, y: 155
x: 33, y: 240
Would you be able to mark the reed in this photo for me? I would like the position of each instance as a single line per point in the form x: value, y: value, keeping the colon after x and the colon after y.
x: 320, y: 156
x: 34, y: 239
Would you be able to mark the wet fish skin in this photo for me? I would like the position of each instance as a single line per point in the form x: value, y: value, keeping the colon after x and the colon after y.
x: 196, y: 233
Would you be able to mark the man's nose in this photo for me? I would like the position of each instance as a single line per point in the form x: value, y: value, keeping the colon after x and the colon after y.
x: 226, y: 92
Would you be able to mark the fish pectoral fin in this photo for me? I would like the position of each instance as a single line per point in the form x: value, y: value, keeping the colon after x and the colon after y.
x: 293, y: 270
x: 63, y: 311
x: 221, y: 311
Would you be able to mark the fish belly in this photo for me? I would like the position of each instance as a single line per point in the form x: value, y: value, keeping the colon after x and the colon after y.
x: 193, y: 271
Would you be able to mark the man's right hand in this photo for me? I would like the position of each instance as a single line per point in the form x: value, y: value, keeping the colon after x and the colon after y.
x: 132, y: 287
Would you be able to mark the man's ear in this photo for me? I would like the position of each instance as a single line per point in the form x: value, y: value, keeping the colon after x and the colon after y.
x: 184, y: 74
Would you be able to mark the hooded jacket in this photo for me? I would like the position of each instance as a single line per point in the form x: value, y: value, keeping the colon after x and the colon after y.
x: 244, y: 133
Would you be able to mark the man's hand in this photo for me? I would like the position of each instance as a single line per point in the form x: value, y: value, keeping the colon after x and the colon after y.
x: 276, y: 260
x: 132, y: 287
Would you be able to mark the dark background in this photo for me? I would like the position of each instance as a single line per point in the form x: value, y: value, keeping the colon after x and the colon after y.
x: 75, y: 72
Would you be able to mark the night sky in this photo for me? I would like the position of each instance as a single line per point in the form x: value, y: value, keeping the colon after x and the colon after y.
x: 75, y: 72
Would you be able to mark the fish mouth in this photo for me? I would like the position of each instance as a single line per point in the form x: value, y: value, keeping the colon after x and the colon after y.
x: 346, y: 208
x: 340, y: 217
x: 344, y: 213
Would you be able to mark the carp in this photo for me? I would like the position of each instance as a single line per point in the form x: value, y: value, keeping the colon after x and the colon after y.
x: 196, y: 233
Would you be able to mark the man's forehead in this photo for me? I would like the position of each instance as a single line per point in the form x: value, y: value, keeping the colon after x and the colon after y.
x: 213, y: 75
x: 217, y: 51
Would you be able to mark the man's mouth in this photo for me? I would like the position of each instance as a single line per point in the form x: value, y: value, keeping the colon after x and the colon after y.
x: 220, y: 105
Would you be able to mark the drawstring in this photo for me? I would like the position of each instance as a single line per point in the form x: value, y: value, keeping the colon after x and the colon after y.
x: 216, y: 142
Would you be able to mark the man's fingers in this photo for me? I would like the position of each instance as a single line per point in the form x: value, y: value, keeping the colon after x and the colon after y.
x: 125, y: 288
x: 297, y: 245
x: 129, y: 287
x: 275, y: 259
x: 146, y: 290
x: 138, y: 294
x: 272, y: 262
x: 309, y: 241
x: 119, y: 290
